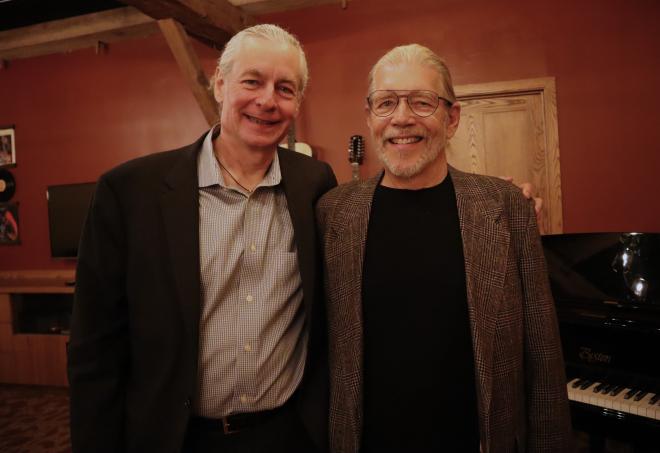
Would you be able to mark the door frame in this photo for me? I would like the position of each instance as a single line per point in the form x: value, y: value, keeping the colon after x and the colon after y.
x: 546, y: 88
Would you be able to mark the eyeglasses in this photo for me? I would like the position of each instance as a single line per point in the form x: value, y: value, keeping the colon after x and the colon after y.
x: 422, y: 102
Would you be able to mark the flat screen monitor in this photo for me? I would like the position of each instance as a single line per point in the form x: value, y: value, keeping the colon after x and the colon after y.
x: 67, y: 210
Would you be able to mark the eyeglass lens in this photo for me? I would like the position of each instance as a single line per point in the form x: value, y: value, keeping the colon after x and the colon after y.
x: 385, y: 102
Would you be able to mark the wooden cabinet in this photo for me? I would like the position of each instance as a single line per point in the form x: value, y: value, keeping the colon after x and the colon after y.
x: 35, y: 307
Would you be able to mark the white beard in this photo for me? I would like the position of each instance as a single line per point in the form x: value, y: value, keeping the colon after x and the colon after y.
x: 429, y: 155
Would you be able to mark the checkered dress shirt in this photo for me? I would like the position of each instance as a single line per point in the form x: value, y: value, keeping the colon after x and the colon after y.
x: 252, y: 331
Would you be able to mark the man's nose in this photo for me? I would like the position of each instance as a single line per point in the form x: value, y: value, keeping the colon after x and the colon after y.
x: 266, y: 98
x: 402, y: 113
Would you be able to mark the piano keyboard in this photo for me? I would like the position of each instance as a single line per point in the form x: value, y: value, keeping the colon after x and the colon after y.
x: 617, y: 398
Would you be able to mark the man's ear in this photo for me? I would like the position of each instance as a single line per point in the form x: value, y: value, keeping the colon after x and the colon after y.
x: 454, y: 118
x: 218, y: 84
x: 367, y: 114
x: 298, y: 104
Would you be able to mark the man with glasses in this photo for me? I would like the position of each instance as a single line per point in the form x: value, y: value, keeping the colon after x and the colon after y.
x: 443, y: 335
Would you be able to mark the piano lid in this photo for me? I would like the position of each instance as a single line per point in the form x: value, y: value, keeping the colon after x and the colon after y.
x: 617, y: 268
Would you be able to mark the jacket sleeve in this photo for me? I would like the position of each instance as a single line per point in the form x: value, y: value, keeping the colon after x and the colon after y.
x: 330, y: 179
x: 548, y: 420
x: 322, y: 203
x: 98, y: 348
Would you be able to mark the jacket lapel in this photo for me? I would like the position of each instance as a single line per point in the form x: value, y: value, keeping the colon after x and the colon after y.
x: 485, y: 249
x: 354, y: 234
x: 351, y: 230
x: 299, y: 199
x: 180, y: 211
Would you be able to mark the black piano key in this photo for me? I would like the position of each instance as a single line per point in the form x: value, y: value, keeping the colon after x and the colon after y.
x: 641, y: 395
x: 655, y: 398
x: 630, y: 394
x: 577, y: 383
x: 599, y: 387
x: 586, y: 383
x: 607, y: 389
x: 616, y: 390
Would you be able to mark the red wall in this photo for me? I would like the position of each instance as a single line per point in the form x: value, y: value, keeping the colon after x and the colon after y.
x: 79, y: 114
x: 603, y: 54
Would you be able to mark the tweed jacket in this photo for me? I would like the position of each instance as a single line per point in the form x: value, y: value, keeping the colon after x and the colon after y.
x: 521, y: 386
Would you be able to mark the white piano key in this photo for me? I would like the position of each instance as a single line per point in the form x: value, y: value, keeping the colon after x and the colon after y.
x: 592, y: 397
x: 600, y: 400
x: 653, y: 411
x: 619, y: 403
x: 642, y: 405
x: 585, y: 394
x: 635, y: 407
x: 570, y: 389
x: 580, y: 395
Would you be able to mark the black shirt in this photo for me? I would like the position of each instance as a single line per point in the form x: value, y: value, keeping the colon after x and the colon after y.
x: 419, y: 368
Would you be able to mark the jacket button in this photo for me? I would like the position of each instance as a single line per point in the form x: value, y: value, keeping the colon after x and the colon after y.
x: 187, y: 403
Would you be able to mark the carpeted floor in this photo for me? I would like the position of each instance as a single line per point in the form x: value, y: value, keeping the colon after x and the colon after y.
x: 34, y: 419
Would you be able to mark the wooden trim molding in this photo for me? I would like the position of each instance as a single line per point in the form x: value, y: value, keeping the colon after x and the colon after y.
x: 37, y: 281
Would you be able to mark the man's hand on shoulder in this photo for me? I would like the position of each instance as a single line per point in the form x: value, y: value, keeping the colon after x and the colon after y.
x: 527, y: 189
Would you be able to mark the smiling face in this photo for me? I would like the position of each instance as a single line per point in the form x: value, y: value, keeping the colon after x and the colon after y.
x: 260, y: 95
x: 412, y: 148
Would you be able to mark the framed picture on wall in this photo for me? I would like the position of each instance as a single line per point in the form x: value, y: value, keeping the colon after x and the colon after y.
x: 9, y: 224
x: 7, y: 146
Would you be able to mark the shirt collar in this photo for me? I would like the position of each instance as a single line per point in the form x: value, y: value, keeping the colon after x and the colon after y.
x: 208, y: 169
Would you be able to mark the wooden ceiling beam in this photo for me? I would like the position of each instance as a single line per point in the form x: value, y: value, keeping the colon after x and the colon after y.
x: 212, y: 20
x: 74, y: 33
x: 257, y: 7
x: 186, y: 58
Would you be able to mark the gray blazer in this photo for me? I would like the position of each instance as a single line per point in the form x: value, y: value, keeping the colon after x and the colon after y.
x: 521, y: 386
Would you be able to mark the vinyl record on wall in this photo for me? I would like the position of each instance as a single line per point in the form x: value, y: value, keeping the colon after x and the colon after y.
x: 7, y: 185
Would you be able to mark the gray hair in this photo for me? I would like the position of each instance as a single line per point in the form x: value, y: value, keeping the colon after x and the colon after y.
x: 416, y: 54
x: 268, y: 32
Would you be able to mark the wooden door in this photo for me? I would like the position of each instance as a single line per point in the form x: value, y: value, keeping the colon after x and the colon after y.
x: 510, y: 129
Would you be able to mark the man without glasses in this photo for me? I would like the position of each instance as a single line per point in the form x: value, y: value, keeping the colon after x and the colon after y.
x: 197, y: 322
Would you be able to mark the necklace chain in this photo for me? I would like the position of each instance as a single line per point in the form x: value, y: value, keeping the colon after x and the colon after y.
x: 234, y: 178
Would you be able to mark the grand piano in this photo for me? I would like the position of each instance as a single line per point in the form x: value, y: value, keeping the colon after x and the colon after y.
x: 607, y: 293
